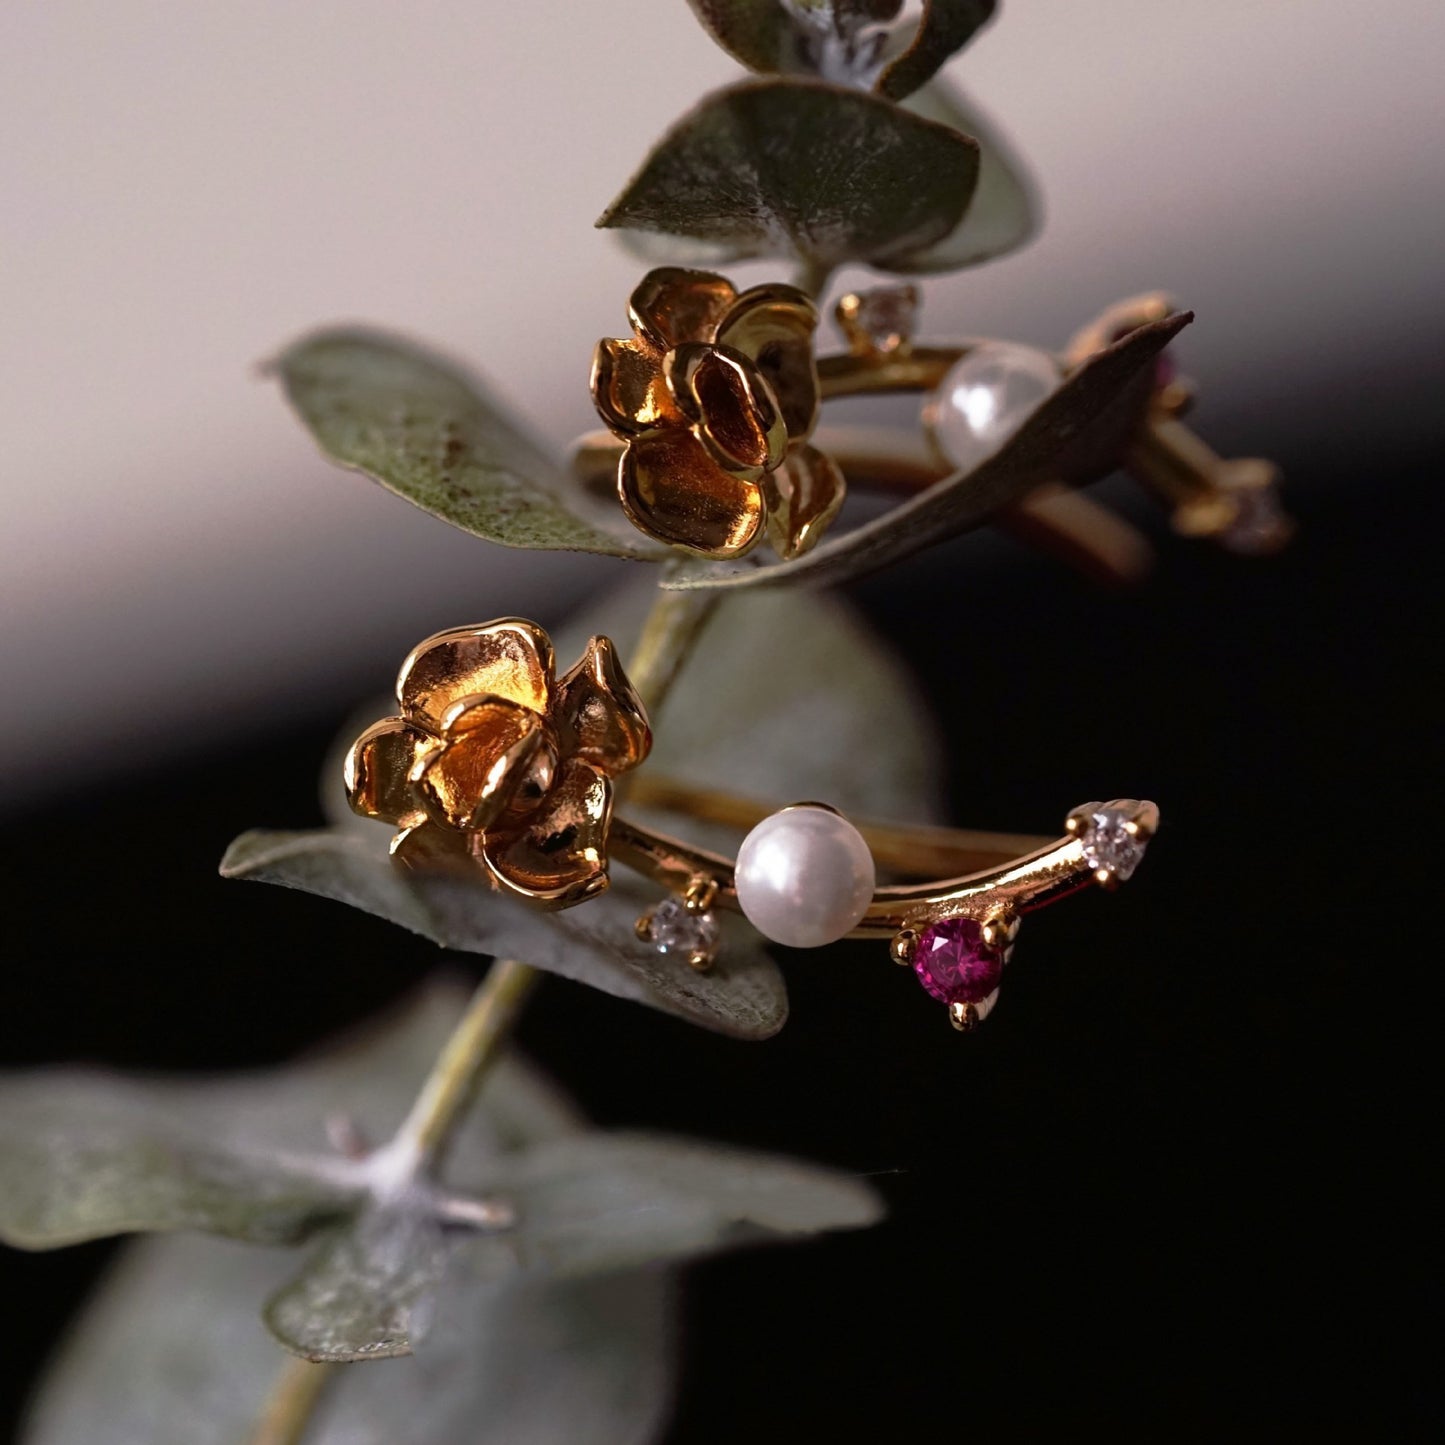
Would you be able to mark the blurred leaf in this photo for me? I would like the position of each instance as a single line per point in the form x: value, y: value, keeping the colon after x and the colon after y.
x: 1004, y: 212
x: 602, y: 1202
x: 82, y: 1157
x: 1090, y: 413
x: 171, y: 1352
x: 86, y: 1153
x: 425, y: 430
x: 360, y: 1295
x: 743, y: 995
x: 800, y: 170
x: 590, y: 1204
x: 818, y: 690
x: 946, y: 27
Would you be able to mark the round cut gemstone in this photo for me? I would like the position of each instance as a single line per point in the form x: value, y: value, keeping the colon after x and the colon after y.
x: 887, y: 316
x: 954, y: 964
x: 1259, y: 526
x: 1109, y: 846
x: 672, y: 929
x: 987, y: 396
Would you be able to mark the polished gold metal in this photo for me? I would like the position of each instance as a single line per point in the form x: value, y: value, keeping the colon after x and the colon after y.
x: 714, y: 398
x: 996, y: 895
x: 696, y: 401
x: 1232, y: 501
x: 496, y: 767
x: 904, y: 947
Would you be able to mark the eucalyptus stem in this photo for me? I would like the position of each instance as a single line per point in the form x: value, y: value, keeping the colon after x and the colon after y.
x: 294, y: 1397
x: 812, y: 276
x: 464, y: 1060
x: 672, y: 627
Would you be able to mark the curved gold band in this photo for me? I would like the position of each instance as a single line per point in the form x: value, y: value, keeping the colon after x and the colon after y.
x: 1055, y: 518
x: 999, y: 880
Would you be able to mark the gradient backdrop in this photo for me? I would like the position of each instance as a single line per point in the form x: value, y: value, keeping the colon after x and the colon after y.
x: 1174, y: 1186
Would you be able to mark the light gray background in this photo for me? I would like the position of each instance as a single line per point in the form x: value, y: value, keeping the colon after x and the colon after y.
x: 184, y: 186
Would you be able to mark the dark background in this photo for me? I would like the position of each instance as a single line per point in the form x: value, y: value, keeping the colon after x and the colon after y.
x: 1173, y: 1185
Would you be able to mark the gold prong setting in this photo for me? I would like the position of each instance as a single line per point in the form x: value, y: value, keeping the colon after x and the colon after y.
x: 1112, y: 837
x: 685, y: 923
x: 879, y: 322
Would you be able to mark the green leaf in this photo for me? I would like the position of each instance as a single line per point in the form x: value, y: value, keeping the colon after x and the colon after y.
x: 586, y: 1205
x: 85, y: 1153
x: 762, y: 34
x: 743, y: 995
x: 1083, y: 422
x: 947, y: 26
x: 170, y: 1352
x: 424, y: 429
x: 1004, y: 212
x: 366, y: 1293
x: 602, y: 1202
x: 804, y: 171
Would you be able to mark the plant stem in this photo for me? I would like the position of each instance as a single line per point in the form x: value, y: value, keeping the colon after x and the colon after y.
x: 813, y: 277
x: 294, y: 1397
x: 672, y: 627
x: 464, y: 1060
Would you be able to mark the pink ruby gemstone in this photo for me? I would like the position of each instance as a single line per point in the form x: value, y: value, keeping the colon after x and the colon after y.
x: 954, y: 964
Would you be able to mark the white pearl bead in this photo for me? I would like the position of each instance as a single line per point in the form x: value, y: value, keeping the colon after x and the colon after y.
x: 805, y: 877
x: 985, y: 398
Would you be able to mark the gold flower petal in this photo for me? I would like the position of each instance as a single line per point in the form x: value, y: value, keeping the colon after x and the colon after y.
x: 627, y: 386
x: 671, y: 305
x: 509, y: 659
x: 773, y: 326
x: 804, y: 495
x: 378, y: 768
x: 673, y: 490
x: 599, y: 715
x: 737, y: 415
x: 559, y: 855
x: 493, y: 748
x: 426, y: 848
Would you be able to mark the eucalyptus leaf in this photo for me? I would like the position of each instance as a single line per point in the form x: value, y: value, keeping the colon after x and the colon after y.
x: 1073, y: 433
x: 804, y: 171
x: 742, y: 995
x: 86, y: 1153
x: 418, y: 424
x: 366, y: 1293
x: 1004, y: 212
x: 602, y: 1202
x: 946, y: 27
x: 171, y: 1352
x: 586, y: 1205
x: 764, y: 35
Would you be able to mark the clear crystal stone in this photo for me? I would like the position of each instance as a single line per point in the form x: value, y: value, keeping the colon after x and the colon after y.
x: 887, y: 316
x: 1259, y: 524
x: 673, y: 929
x: 1109, y: 846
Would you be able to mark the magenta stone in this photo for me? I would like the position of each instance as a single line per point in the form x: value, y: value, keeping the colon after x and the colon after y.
x: 954, y: 964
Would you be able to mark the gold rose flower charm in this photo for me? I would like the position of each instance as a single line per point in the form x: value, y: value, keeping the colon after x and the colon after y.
x: 715, y: 397
x: 495, y: 764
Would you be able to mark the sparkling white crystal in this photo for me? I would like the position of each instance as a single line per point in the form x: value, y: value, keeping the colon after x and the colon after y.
x: 1109, y: 846
x: 673, y: 929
